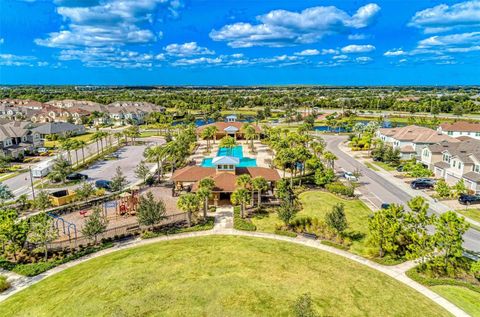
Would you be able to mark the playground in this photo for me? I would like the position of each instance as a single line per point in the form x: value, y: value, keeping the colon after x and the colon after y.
x: 120, y: 213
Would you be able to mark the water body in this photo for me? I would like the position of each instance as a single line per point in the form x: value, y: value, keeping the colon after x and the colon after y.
x: 235, y: 152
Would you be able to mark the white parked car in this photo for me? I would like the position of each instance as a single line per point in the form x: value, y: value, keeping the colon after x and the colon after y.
x: 350, y: 177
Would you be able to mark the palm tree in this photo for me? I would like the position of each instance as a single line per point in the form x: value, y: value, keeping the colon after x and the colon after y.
x: 158, y: 154
x: 245, y: 181
x: 330, y: 158
x: 82, y: 145
x: 205, y: 187
x: 67, y: 145
x: 228, y: 142
x: 60, y: 169
x: 240, y: 197
x: 250, y: 134
x: 207, y: 134
x: 76, y: 146
x: 214, y: 132
x: 260, y: 184
x: 96, y: 137
x: 189, y: 204
x: 118, y: 136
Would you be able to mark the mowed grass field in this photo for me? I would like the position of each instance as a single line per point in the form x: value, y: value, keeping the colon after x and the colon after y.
x: 466, y: 299
x: 316, y: 204
x: 218, y: 276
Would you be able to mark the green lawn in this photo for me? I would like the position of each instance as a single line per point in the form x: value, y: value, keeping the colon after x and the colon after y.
x: 316, y: 204
x: 473, y: 214
x: 84, y: 137
x: 385, y: 166
x: 371, y: 166
x: 463, y: 297
x: 218, y: 276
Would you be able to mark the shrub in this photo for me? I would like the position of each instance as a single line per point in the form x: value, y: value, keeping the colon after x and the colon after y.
x: 242, y: 224
x: 340, y: 189
x: 4, y: 284
x: 299, y: 224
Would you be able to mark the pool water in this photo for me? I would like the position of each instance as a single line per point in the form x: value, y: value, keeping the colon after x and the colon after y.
x: 236, y: 152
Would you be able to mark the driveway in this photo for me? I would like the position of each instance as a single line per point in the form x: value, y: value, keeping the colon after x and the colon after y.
x: 377, y: 189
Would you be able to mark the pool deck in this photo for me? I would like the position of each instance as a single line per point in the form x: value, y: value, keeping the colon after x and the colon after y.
x: 262, y: 156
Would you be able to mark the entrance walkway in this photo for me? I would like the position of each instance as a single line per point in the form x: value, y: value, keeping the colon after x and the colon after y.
x: 223, y: 218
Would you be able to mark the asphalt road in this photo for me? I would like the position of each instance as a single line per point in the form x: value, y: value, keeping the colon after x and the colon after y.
x: 129, y: 157
x: 20, y: 184
x: 379, y: 190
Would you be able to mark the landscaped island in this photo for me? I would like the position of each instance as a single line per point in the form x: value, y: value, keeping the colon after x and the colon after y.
x: 218, y: 276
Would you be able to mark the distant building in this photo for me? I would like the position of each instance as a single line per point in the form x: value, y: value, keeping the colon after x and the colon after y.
x: 461, y: 128
x: 232, y: 128
x: 412, y: 139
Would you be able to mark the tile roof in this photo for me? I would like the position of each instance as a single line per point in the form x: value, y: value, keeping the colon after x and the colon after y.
x: 221, y: 126
x: 416, y: 134
x: 224, y: 181
x: 473, y: 176
x: 57, y: 127
x: 461, y: 126
x: 463, y: 150
x: 407, y: 149
x: 442, y: 165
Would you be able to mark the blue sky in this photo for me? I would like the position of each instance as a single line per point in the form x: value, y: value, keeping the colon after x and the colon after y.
x: 203, y: 42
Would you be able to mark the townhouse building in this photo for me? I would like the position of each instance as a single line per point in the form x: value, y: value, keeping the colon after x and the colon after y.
x: 454, y: 161
x: 461, y: 128
x: 412, y: 139
x: 17, y: 137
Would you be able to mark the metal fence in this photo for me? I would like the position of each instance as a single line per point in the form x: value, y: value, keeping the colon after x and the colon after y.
x: 115, y: 232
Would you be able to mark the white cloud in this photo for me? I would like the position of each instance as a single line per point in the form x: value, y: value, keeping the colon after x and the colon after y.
x: 237, y: 55
x: 395, y: 52
x: 451, y: 39
x: 110, y: 57
x: 358, y: 36
x: 363, y: 59
x: 16, y: 60
x: 339, y: 57
x: 187, y: 49
x: 443, y: 17
x: 358, y: 48
x: 308, y: 52
x: 2, y: 40
x: 197, y: 61
x: 329, y: 51
x: 107, y: 23
x: 282, y: 28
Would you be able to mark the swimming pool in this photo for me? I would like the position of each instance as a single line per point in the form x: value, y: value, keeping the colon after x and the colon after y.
x: 236, y: 152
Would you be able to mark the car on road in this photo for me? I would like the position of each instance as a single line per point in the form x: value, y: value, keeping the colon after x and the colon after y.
x: 349, y: 176
x: 104, y: 184
x: 469, y: 199
x: 76, y: 176
x: 423, y: 183
x: 385, y: 206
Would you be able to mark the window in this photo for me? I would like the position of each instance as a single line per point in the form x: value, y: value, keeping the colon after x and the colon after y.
x: 450, y: 132
x: 454, y: 163
x: 477, y: 133
x: 476, y: 168
x: 459, y: 165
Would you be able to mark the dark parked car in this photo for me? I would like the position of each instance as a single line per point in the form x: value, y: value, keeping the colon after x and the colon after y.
x: 423, y: 183
x: 101, y: 183
x: 469, y: 199
x: 385, y: 206
x: 400, y: 168
x: 76, y: 176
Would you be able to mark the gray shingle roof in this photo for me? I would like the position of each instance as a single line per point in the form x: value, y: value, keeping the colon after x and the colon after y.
x: 57, y: 127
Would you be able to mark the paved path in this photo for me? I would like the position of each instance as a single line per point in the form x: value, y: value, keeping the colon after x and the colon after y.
x: 223, y: 219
